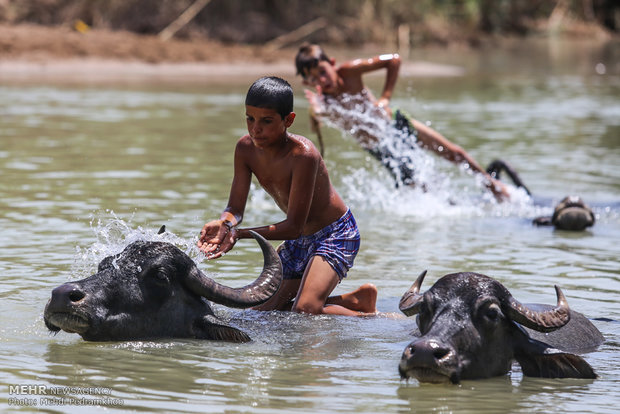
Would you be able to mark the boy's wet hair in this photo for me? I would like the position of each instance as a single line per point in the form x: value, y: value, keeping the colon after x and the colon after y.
x: 308, y: 57
x: 271, y: 92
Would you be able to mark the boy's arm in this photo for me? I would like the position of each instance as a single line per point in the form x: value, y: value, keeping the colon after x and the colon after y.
x: 434, y: 141
x: 299, y: 201
x: 315, y: 110
x: 315, y: 125
x: 393, y: 65
x: 390, y: 62
x: 216, y: 235
x: 240, y: 187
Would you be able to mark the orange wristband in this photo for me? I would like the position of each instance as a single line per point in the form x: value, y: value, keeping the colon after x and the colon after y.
x: 228, y: 217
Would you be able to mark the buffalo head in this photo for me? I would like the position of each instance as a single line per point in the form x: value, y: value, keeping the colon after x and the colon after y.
x: 572, y: 213
x: 154, y: 290
x: 471, y: 327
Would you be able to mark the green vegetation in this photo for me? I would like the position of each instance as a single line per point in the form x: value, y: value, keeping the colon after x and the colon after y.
x: 346, y: 21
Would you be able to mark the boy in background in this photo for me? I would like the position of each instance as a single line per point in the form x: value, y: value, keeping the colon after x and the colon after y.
x: 344, y: 84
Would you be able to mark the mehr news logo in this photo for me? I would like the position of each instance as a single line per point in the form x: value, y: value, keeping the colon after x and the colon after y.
x: 45, y: 395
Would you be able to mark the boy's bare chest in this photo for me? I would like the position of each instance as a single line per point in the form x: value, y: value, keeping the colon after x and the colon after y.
x: 275, y: 178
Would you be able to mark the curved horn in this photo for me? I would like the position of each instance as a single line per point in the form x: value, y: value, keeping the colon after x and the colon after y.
x: 257, y: 292
x: 546, y: 321
x: 410, y: 302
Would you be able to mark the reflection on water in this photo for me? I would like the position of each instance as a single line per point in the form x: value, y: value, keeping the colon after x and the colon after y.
x: 85, y: 171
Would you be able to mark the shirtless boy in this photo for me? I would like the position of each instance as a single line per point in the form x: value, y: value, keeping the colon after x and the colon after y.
x: 331, y: 82
x: 320, y: 233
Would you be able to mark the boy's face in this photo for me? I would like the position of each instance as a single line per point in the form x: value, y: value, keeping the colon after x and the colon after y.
x: 265, y: 126
x: 323, y: 75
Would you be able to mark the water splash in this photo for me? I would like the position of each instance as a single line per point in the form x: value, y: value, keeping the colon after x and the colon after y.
x: 113, y: 234
x: 439, y: 188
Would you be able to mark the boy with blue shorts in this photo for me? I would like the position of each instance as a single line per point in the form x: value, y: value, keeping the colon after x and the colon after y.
x: 321, y: 235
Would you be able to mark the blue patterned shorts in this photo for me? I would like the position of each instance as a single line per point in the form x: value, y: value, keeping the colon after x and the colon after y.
x: 338, y: 243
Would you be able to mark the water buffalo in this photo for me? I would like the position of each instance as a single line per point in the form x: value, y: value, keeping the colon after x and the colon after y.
x: 570, y: 214
x: 471, y: 327
x: 154, y: 290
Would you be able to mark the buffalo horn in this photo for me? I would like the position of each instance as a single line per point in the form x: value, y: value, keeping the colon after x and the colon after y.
x: 411, y: 300
x: 545, y: 321
x: 256, y: 293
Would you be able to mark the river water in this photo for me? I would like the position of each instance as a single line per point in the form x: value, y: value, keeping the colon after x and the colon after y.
x: 88, y: 168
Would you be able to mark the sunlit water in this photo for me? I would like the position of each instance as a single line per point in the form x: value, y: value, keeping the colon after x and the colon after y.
x: 87, y: 170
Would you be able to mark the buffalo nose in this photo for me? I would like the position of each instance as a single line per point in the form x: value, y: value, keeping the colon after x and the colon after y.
x: 427, y: 353
x: 67, y: 293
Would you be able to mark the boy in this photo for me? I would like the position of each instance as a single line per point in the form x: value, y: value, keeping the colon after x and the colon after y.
x: 321, y: 235
x: 338, y: 82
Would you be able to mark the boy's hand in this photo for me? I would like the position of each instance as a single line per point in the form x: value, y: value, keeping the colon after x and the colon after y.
x: 384, y: 103
x: 216, y: 238
x: 227, y: 244
x: 498, y: 189
x: 313, y: 99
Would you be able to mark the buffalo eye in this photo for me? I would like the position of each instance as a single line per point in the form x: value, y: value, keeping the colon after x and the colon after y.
x: 489, y: 311
x: 156, y: 284
x: 161, y: 278
x: 492, y: 313
x: 156, y: 275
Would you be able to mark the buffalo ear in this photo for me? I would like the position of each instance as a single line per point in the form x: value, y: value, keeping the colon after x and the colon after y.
x: 538, y: 359
x: 209, y: 327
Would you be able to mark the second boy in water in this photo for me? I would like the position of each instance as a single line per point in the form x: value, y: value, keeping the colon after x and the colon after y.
x: 344, y: 83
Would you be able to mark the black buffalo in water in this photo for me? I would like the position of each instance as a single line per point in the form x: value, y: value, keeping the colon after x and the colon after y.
x: 471, y: 327
x: 572, y: 213
x: 154, y: 290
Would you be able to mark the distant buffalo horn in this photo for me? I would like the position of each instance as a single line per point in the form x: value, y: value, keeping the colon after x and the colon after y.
x: 546, y: 321
x: 254, y: 294
x: 411, y: 300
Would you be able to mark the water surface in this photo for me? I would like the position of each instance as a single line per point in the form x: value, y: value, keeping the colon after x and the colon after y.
x: 87, y: 169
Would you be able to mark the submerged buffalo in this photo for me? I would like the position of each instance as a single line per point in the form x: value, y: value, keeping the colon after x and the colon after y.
x: 572, y: 213
x: 154, y: 290
x: 471, y: 327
